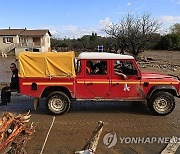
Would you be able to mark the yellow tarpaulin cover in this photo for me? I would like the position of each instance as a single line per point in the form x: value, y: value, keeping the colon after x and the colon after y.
x: 46, y: 64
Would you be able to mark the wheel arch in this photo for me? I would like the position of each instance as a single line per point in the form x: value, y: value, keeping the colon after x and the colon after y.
x: 166, y: 88
x: 51, y: 89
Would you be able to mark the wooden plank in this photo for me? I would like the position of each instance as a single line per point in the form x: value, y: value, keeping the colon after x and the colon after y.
x: 91, y: 145
x: 95, y: 135
x: 172, y: 147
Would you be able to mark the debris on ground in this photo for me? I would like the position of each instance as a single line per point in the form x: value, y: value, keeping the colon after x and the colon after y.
x: 15, y: 131
x: 149, y: 62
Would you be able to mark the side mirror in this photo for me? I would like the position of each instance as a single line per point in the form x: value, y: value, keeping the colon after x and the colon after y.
x: 135, y: 72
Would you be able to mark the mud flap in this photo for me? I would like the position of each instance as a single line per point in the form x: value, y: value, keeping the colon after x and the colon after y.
x: 36, y: 103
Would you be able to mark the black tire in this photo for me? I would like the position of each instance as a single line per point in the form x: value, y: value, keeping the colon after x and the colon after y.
x: 161, y: 103
x: 58, y: 103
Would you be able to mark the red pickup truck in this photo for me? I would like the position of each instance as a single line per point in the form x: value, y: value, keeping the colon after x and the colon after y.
x: 60, y: 77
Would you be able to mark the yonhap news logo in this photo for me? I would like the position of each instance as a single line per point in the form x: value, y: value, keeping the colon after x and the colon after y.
x: 111, y: 139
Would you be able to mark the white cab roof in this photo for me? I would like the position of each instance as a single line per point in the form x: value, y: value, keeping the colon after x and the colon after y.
x: 103, y: 55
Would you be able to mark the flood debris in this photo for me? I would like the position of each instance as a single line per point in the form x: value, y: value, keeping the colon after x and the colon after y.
x: 15, y: 131
x: 147, y: 62
x: 91, y: 145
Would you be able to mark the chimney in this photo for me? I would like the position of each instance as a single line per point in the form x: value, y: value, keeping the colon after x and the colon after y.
x: 9, y: 27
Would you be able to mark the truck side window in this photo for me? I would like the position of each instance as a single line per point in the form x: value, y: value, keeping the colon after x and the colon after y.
x: 118, y: 66
x: 125, y: 67
x: 128, y: 68
x: 96, y: 67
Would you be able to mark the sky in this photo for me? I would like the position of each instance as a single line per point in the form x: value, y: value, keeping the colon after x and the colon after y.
x: 75, y: 18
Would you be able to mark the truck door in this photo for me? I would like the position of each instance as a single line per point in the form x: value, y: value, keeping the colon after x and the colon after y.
x: 95, y: 84
x: 122, y: 87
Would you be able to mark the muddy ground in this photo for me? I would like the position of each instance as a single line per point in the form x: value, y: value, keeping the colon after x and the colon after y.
x: 166, y: 62
x: 71, y: 131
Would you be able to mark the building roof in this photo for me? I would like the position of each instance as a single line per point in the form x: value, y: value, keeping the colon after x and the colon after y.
x: 10, y: 32
x: 34, y: 32
x: 103, y: 55
x: 23, y: 32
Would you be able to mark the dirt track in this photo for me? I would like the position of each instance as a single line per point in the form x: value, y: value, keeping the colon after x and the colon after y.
x: 71, y: 131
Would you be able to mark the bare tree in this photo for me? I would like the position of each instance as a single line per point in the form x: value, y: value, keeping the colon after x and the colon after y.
x: 175, y: 29
x: 134, y: 32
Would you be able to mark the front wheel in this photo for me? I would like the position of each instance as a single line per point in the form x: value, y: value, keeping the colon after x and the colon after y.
x: 161, y: 103
x: 58, y: 103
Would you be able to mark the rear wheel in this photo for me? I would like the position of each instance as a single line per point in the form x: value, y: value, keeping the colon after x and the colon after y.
x: 161, y: 103
x: 58, y: 103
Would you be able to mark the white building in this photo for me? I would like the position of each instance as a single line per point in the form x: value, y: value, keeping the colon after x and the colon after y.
x: 13, y: 41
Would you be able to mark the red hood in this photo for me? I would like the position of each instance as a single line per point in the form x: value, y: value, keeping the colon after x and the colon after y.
x: 155, y: 76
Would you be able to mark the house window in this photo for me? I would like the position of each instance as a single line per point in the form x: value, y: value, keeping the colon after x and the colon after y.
x: 7, y: 39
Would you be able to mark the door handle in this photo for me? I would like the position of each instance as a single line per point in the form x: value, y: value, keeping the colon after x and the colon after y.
x: 115, y: 84
x: 89, y: 83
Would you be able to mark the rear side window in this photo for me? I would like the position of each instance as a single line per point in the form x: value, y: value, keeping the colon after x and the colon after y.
x: 96, y: 67
x: 78, y: 66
